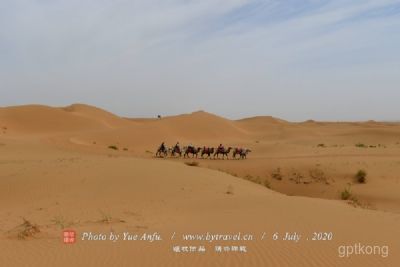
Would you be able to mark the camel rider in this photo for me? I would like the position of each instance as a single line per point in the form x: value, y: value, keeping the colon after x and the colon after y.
x: 220, y: 147
x: 191, y: 146
x: 162, y: 147
x: 176, y: 147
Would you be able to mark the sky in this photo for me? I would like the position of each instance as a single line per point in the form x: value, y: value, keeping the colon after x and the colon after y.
x: 293, y: 59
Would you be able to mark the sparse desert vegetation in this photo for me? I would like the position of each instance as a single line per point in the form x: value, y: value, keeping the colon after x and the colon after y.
x: 61, y: 222
x: 346, y: 194
x: 361, y: 176
x: 277, y: 174
x: 296, y: 177
x: 318, y: 175
x: 106, y: 218
x: 361, y: 145
x: 254, y: 179
x: 25, y: 230
x: 114, y: 147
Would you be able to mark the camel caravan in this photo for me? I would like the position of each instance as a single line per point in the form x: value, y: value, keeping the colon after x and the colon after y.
x: 164, y: 151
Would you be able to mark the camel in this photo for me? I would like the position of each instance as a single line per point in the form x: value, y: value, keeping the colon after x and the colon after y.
x: 242, y: 152
x: 176, y: 150
x: 223, y: 151
x: 207, y: 151
x: 191, y: 150
x: 162, y: 151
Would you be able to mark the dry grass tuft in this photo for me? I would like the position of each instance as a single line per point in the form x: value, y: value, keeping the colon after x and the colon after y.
x: 61, y: 222
x: 361, y: 145
x: 346, y: 194
x: 277, y: 174
x: 108, y: 219
x: 361, y: 176
x: 27, y: 230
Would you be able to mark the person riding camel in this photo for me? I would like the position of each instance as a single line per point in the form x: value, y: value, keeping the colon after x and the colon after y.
x: 176, y: 147
x: 162, y: 146
x: 220, y: 147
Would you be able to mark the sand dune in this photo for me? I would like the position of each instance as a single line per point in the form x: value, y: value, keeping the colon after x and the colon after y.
x: 43, y: 119
x: 202, y: 125
x: 261, y: 123
x: 108, y: 119
x: 57, y: 171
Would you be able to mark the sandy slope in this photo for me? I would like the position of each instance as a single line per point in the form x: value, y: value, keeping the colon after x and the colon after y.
x: 35, y: 119
x: 57, y: 171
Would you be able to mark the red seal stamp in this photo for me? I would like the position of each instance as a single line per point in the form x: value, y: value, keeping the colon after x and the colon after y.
x: 69, y: 236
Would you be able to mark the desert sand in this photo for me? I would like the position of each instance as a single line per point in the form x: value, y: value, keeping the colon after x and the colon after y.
x: 58, y: 172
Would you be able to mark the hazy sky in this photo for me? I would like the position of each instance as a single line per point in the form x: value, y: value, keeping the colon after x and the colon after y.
x: 293, y: 59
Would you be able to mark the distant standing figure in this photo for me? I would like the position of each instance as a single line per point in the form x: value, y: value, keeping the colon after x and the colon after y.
x: 159, y: 117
